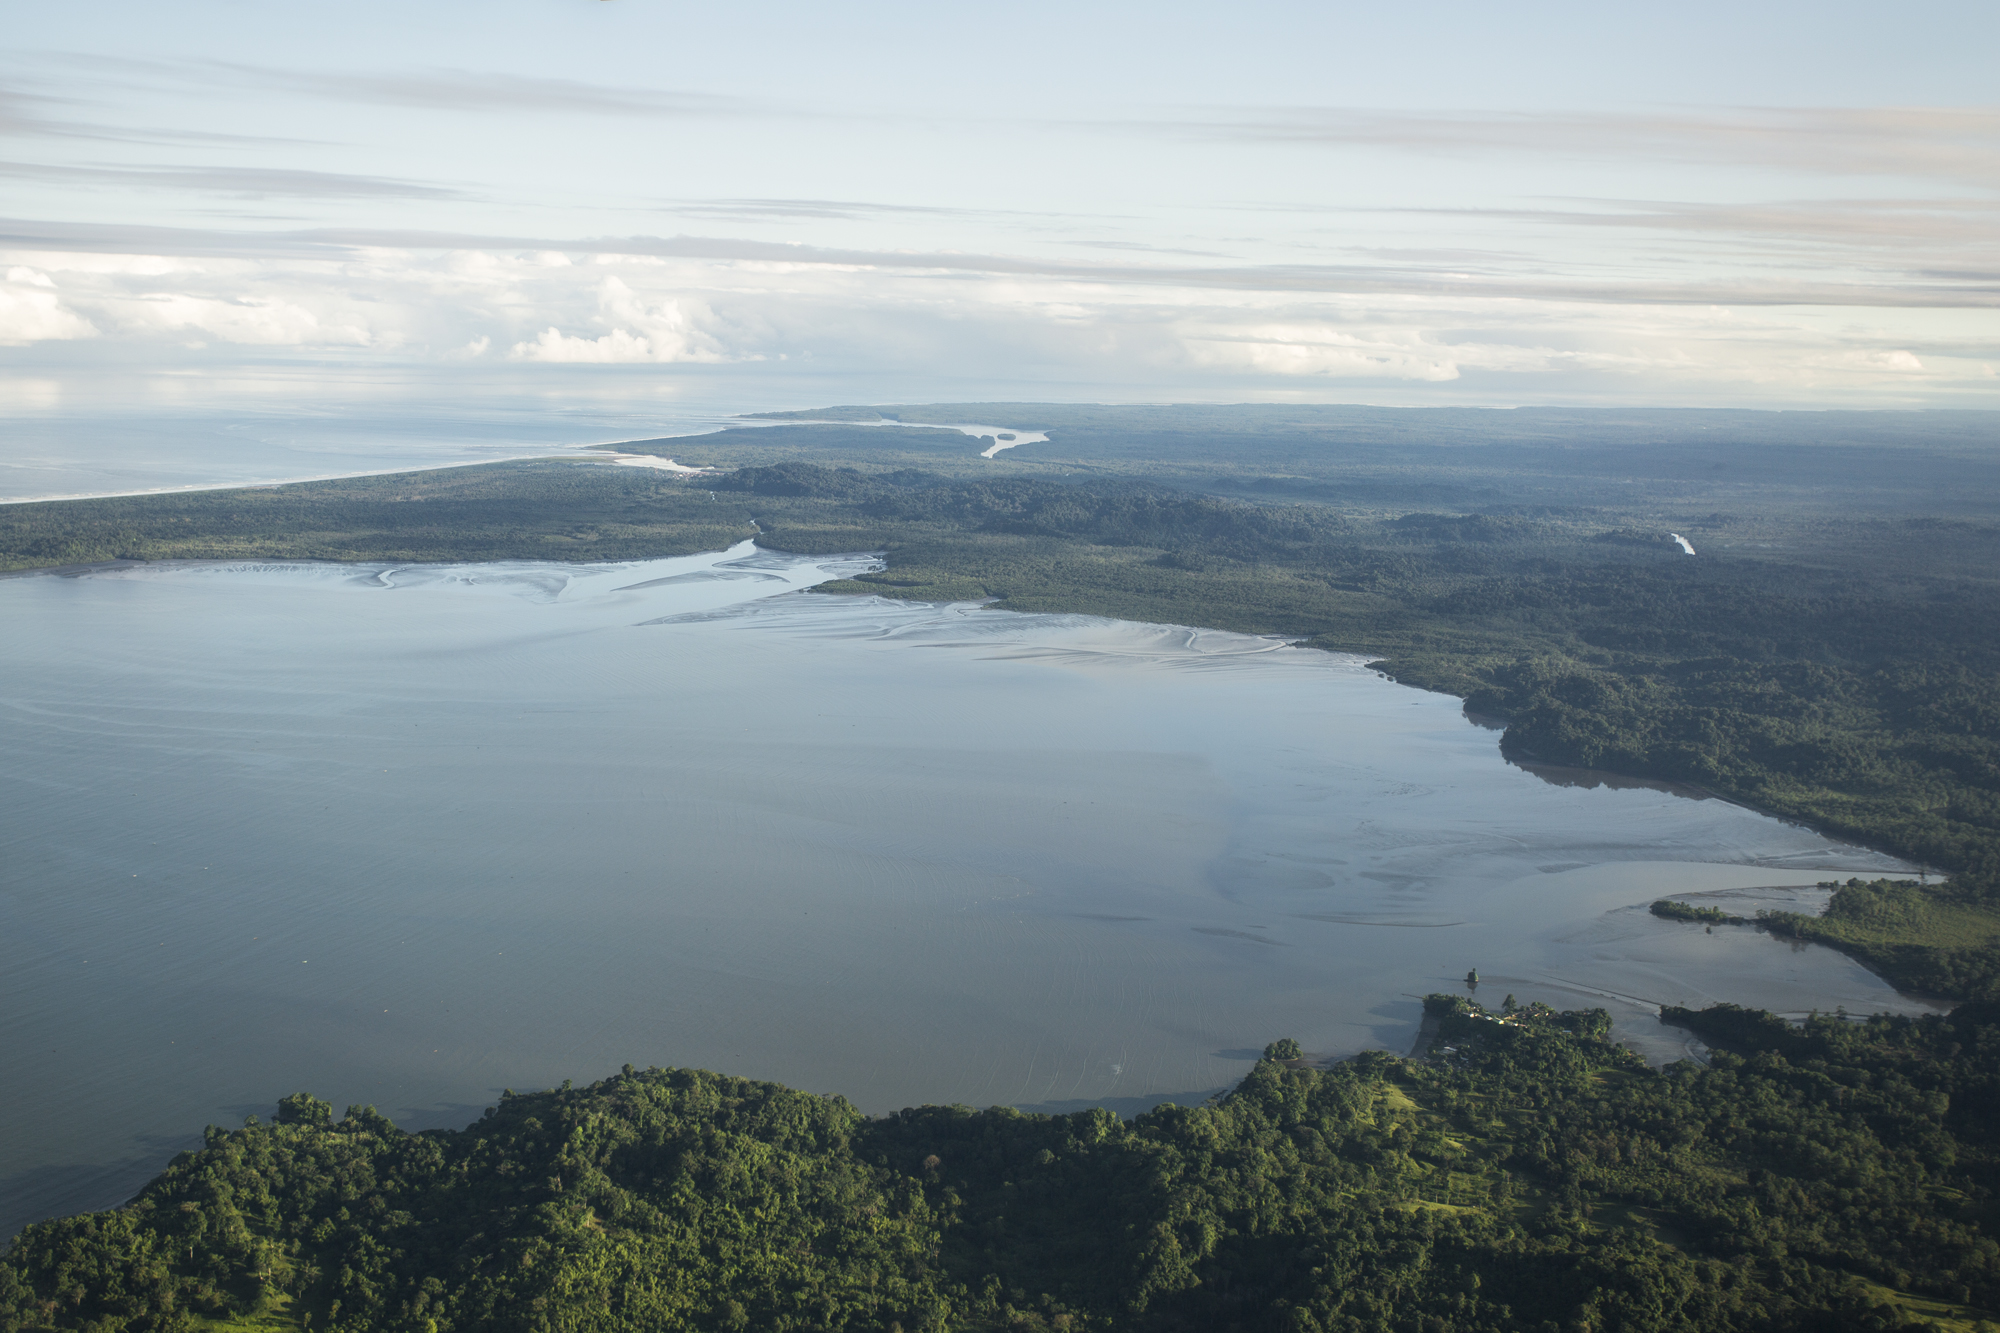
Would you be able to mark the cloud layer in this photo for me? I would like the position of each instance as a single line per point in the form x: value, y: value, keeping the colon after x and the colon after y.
x: 548, y: 310
x: 1172, y: 208
x: 1958, y: 145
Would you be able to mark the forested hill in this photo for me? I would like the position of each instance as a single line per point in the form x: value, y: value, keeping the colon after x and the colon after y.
x: 1527, y: 1176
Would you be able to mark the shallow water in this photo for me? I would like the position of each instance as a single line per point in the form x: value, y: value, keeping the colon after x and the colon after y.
x: 410, y: 835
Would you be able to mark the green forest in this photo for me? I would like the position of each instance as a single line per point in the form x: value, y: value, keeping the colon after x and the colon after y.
x: 1831, y: 654
x: 1528, y: 1174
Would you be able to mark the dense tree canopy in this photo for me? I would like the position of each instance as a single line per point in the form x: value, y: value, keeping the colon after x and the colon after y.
x: 1527, y: 1175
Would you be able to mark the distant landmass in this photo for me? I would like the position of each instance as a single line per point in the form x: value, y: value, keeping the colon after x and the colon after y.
x: 1830, y: 653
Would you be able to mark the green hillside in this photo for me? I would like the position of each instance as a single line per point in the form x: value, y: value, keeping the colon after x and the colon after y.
x: 1527, y: 1175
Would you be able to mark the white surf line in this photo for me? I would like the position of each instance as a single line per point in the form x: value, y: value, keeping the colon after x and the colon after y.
x: 655, y: 461
x: 557, y: 452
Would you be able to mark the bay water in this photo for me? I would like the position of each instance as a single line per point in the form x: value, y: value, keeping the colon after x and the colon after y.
x: 408, y: 836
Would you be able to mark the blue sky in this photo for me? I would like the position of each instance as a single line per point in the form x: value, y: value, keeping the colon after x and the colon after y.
x: 1776, y: 205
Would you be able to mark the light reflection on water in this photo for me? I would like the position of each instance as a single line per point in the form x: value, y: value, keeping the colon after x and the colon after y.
x: 408, y: 835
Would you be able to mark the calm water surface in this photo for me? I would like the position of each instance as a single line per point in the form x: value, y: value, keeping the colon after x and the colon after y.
x: 408, y: 836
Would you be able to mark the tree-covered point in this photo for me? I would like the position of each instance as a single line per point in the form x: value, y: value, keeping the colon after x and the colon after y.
x: 1528, y: 1175
x: 1932, y: 939
x: 1669, y: 910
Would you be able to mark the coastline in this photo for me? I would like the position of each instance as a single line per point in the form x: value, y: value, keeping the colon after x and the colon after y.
x: 1397, y: 702
x: 475, y: 545
x: 208, y: 488
x: 1554, y: 773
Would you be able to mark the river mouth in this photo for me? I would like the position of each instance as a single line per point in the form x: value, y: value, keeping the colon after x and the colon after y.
x: 998, y: 439
x: 407, y: 835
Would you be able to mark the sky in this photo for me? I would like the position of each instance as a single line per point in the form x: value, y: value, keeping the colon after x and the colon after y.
x: 774, y: 205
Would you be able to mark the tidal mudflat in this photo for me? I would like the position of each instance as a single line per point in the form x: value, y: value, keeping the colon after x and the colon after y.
x: 410, y: 835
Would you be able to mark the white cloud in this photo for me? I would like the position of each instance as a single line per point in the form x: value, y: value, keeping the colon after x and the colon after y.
x: 669, y: 332
x: 59, y: 261
x: 32, y: 311
x: 481, y: 91
x: 1959, y: 144
x: 246, y: 319
x: 615, y: 348
x: 1319, y: 350
x: 407, y: 307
